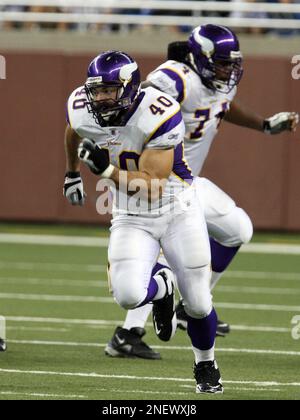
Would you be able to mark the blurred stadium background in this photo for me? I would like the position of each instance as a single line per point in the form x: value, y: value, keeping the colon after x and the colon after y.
x: 46, y: 46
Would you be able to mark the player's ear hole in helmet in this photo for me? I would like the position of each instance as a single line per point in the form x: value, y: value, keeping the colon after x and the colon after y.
x: 112, y: 85
x: 214, y: 53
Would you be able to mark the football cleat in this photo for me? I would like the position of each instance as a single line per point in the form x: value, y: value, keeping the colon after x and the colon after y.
x: 164, y: 314
x: 3, y: 345
x: 222, y: 329
x: 208, y: 378
x: 128, y: 343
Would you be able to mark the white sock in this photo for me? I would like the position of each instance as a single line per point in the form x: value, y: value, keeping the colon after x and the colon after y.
x: 204, y: 355
x: 162, y: 290
x: 215, y: 277
x: 137, y: 317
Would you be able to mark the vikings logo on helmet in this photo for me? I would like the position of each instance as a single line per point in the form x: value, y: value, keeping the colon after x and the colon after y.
x: 215, y: 55
x: 118, y: 73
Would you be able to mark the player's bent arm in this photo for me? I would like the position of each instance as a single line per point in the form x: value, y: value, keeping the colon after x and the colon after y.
x: 241, y: 115
x: 238, y: 114
x: 155, y: 167
x: 72, y: 141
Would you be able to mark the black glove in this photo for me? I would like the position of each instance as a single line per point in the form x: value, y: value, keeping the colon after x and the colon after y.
x: 281, y: 122
x: 73, y: 189
x: 93, y: 156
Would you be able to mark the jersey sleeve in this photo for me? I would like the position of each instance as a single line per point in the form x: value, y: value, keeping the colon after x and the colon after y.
x: 170, y: 80
x: 162, y: 122
x: 76, y: 108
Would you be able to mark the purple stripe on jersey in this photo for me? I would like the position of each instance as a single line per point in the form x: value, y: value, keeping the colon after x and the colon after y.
x: 67, y: 114
x: 180, y: 167
x: 167, y: 126
x: 179, y: 83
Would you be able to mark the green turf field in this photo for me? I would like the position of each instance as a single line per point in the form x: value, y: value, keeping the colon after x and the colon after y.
x: 60, y: 316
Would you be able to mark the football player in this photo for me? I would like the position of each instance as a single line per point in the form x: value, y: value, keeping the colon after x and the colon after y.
x: 134, y: 139
x: 202, y: 74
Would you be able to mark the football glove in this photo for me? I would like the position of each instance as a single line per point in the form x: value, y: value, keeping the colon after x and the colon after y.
x: 95, y: 158
x: 73, y: 189
x: 281, y: 122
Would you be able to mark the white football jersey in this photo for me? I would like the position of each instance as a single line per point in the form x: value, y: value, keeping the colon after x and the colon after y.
x: 154, y: 122
x: 202, y: 108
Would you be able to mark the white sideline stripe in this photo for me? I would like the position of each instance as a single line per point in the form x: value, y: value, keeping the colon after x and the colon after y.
x: 100, y: 345
x: 34, y: 394
x: 53, y: 282
x: 254, y: 307
x: 76, y: 267
x: 85, y: 241
x: 46, y: 329
x: 265, y: 275
x: 103, y: 284
x: 265, y: 248
x: 63, y: 320
x: 56, y: 298
x: 142, y: 378
x: 260, y: 329
x: 237, y: 389
x: 257, y: 290
x: 32, y: 266
x: 111, y: 323
x: 93, y: 299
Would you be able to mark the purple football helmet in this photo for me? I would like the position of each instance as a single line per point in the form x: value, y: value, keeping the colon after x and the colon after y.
x: 117, y: 73
x: 215, y: 55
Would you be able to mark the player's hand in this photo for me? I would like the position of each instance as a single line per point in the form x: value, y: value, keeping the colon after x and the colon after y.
x: 284, y: 121
x: 95, y: 158
x: 73, y: 189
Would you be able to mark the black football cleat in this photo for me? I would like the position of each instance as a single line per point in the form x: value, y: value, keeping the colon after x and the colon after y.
x: 3, y: 345
x: 223, y: 329
x: 208, y: 378
x: 164, y: 315
x: 128, y: 343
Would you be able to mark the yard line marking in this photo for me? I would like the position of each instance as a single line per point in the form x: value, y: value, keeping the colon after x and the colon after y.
x: 140, y: 391
x: 103, y: 284
x: 238, y: 389
x: 257, y: 290
x: 63, y: 320
x: 86, y: 241
x: 265, y: 275
x: 81, y: 241
x: 111, y: 323
x: 260, y: 329
x: 81, y: 268
x: 142, y: 378
x: 34, y: 394
x: 32, y: 266
x: 38, y: 329
x: 267, y: 248
x: 56, y: 298
x: 180, y: 348
x: 53, y: 282
x: 257, y: 307
x: 108, y: 300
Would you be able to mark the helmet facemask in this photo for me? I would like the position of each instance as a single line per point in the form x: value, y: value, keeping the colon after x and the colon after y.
x: 105, y: 100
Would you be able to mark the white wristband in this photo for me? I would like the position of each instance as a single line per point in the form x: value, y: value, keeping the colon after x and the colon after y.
x: 108, y: 171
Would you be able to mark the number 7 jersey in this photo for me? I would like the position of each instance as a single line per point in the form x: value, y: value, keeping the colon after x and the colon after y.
x: 202, y: 108
x: 154, y: 122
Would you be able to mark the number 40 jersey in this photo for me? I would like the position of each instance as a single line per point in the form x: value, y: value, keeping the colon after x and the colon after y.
x: 202, y: 108
x: 154, y: 122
